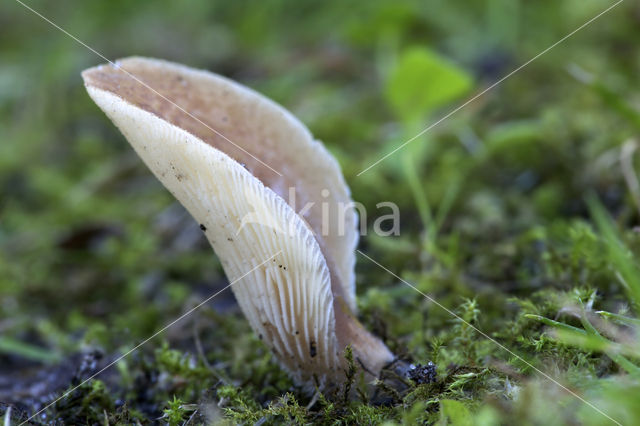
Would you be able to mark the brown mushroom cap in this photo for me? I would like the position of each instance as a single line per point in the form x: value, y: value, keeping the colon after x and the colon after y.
x: 253, y: 130
x: 220, y: 166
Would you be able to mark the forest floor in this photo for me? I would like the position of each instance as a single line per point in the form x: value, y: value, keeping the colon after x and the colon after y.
x: 519, y: 213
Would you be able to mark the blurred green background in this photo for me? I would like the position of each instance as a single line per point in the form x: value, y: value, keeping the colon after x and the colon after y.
x: 95, y: 255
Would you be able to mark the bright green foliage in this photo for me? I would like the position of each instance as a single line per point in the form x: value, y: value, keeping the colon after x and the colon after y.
x: 423, y: 81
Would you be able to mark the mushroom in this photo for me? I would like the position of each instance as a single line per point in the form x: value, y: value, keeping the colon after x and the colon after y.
x: 262, y: 188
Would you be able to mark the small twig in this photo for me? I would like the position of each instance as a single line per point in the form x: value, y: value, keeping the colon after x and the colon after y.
x: 199, y: 348
x: 201, y: 354
x: 314, y: 399
x: 190, y: 417
x: 7, y: 417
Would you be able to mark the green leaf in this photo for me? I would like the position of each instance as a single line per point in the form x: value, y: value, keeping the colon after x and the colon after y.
x: 454, y: 413
x: 599, y: 344
x: 620, y: 319
x: 25, y: 350
x: 555, y: 324
x: 589, y: 340
x: 423, y: 81
x: 618, y: 253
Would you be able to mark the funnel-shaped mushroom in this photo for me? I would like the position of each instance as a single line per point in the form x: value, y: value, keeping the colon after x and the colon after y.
x: 236, y: 160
